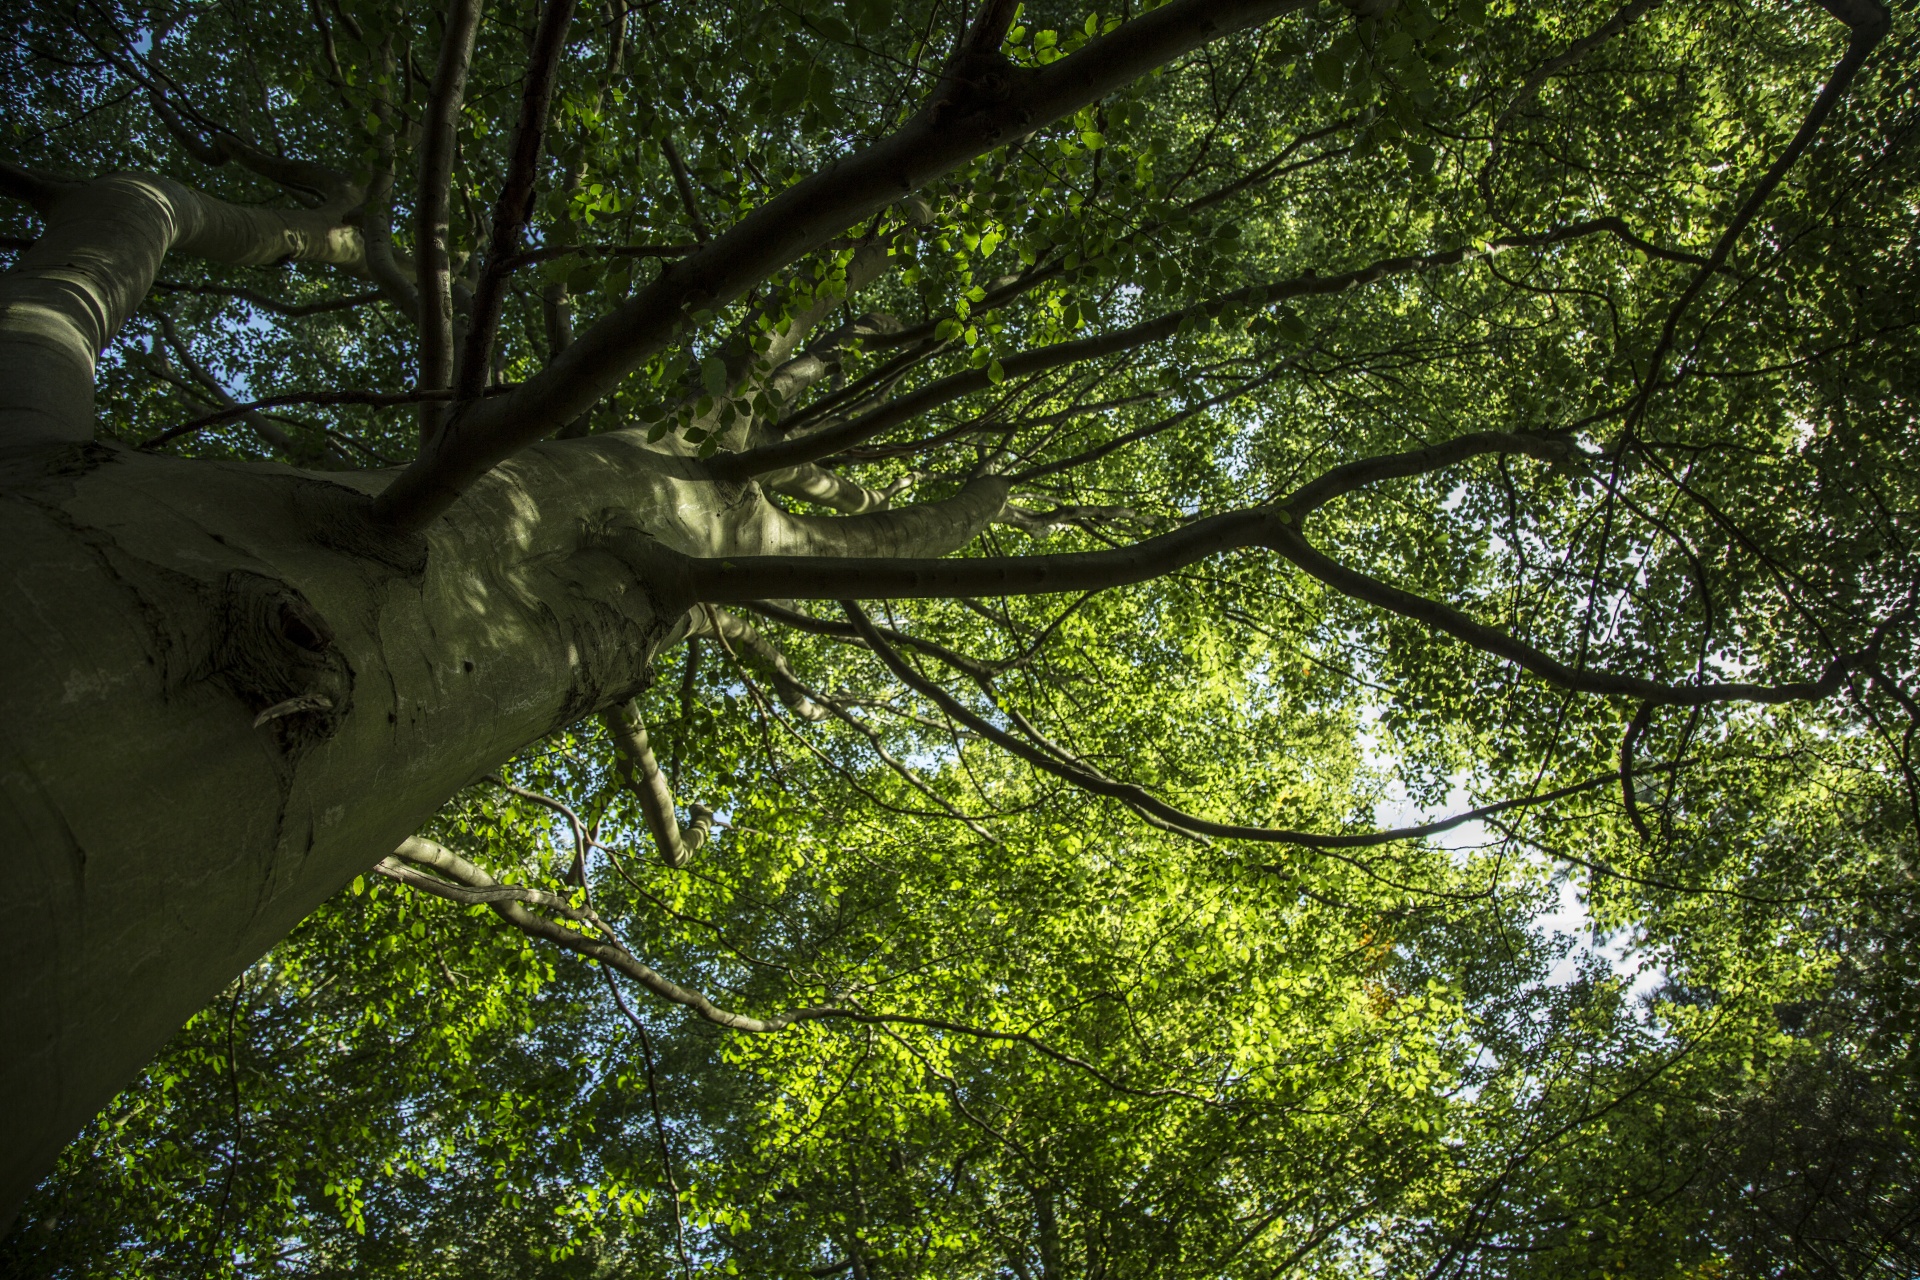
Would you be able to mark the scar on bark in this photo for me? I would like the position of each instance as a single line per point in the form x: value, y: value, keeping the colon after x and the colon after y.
x: 275, y: 651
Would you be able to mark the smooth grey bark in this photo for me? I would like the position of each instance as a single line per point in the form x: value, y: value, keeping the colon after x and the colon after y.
x: 104, y: 242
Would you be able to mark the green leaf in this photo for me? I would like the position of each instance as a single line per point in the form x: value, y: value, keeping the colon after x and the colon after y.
x: 820, y: 86
x: 872, y: 17
x: 1329, y: 71
x: 790, y: 87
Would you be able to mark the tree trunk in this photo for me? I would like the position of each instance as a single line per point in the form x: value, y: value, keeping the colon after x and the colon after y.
x: 226, y: 692
x: 157, y: 838
x: 225, y: 695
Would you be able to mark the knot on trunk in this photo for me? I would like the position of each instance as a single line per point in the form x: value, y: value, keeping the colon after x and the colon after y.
x: 276, y: 652
x: 977, y: 91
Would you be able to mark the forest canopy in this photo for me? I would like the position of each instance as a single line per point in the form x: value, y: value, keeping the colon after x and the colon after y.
x: 917, y: 638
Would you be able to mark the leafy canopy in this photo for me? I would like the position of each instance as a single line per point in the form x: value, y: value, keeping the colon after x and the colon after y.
x: 1082, y: 1040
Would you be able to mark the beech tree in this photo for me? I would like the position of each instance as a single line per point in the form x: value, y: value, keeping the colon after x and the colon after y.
x: 1163, y: 432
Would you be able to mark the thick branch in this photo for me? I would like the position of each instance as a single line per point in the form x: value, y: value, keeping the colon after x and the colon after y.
x: 921, y: 529
x: 818, y: 485
x: 74, y: 288
x: 742, y: 579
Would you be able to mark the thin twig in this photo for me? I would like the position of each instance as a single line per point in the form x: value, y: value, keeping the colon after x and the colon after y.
x: 659, y: 1124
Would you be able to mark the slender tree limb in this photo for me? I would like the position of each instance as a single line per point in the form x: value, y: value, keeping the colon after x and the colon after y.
x: 547, y: 253
x: 1620, y: 21
x: 397, y: 281
x: 1138, y: 434
x: 220, y: 145
x: 1868, y: 22
x: 641, y: 775
x: 739, y: 634
x: 1146, y: 802
x: 292, y: 310
x: 373, y: 399
x: 659, y: 1123
x: 582, y: 837
x: 432, y: 225
x: 509, y: 905
x: 1635, y: 728
x: 1344, y: 479
x: 821, y: 444
x: 515, y: 204
x: 211, y: 390
x: 1024, y: 1038
x: 846, y: 631
x: 1450, y: 621
x: 468, y: 885
x: 683, y: 183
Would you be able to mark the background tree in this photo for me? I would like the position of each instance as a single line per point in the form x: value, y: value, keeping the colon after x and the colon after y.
x: 1546, y: 375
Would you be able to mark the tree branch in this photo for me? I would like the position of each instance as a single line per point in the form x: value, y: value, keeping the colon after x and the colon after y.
x: 683, y: 183
x: 640, y: 773
x: 432, y: 217
x: 1868, y: 22
x: 508, y: 900
x: 372, y: 399
x: 74, y: 288
x: 824, y: 443
x: 1146, y: 802
x: 846, y: 631
x: 470, y: 886
x: 800, y: 220
x: 1444, y: 618
x: 741, y: 579
x: 515, y: 205
x: 733, y: 630
x: 546, y: 253
x: 264, y: 303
